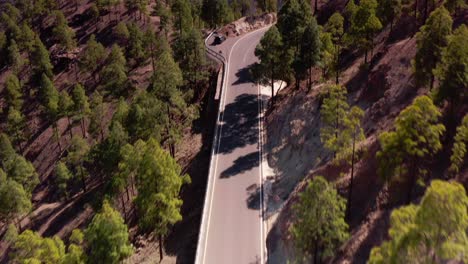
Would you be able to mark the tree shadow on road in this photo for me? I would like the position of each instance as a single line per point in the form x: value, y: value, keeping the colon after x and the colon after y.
x: 244, y: 76
x: 242, y: 164
x: 240, y: 123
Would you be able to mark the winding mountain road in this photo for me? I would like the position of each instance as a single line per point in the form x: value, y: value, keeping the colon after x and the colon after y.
x: 232, y: 228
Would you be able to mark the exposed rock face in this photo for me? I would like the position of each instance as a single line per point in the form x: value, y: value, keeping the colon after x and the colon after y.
x: 247, y: 24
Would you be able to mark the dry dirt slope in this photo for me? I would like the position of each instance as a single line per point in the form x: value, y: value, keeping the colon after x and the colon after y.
x: 296, y: 153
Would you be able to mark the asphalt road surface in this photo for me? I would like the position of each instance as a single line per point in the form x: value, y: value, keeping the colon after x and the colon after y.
x: 234, y: 225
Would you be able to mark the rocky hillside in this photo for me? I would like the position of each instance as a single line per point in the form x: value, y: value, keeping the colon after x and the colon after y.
x: 382, y: 89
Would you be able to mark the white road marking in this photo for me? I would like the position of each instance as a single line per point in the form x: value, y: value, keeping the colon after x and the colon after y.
x: 220, y: 120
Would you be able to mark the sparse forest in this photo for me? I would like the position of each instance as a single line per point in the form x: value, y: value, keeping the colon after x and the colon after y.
x: 106, y: 124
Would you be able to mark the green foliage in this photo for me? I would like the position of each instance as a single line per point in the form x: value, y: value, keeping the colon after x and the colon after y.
x: 189, y: 51
x: 62, y: 32
x: 452, y: 70
x: 135, y: 48
x: 430, y: 41
x: 6, y: 149
x: 159, y: 181
x: 309, y: 55
x: 40, y: 59
x: 97, y: 115
x: 267, y: 6
x: 14, y: 57
x: 81, y: 105
x: 77, y: 154
x: 433, y: 232
x: 182, y: 12
x: 389, y: 10
x: 11, y: 234
x: 333, y: 114
x: 274, y: 63
x: 224, y: 13
x: 121, y: 33
x: 416, y: 137
x: 293, y: 20
x: 454, y: 5
x: 14, y: 91
x: 107, y: 237
x: 62, y: 176
x: 364, y: 24
x: 50, y: 97
x: 319, y: 227
x: 26, y: 39
x: 114, y: 74
x: 65, y: 104
x: 459, y: 147
x: 93, y: 56
x: 22, y: 171
x: 165, y: 16
x: 30, y: 247
x: 16, y: 124
x: 14, y: 200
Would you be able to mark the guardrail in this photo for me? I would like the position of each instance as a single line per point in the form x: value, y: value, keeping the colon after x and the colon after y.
x: 203, y: 227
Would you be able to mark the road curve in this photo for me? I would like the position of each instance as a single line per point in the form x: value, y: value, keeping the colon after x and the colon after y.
x: 232, y: 216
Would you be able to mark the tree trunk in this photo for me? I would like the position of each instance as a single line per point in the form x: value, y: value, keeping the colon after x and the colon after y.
x: 57, y: 136
x: 351, y: 182
x: 316, y: 260
x: 70, y: 127
x: 425, y: 10
x: 83, y: 181
x: 123, y: 206
x: 337, y: 64
x: 160, y: 248
x: 316, y: 8
x: 416, y: 9
x: 412, y: 181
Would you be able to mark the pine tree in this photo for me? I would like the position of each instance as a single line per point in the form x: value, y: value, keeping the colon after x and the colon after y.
x: 459, y: 147
x: 26, y: 40
x: 159, y: 183
x: 388, y: 11
x: 107, y: 237
x: 135, y: 48
x: 431, y: 232
x: 66, y: 108
x: 14, y: 92
x: 41, y: 60
x: 333, y: 116
x: 335, y: 26
x: 293, y: 19
x: 182, y: 12
x: 77, y: 154
x: 14, y: 57
x: 121, y: 33
x: 165, y: 17
x: 14, y: 200
x: 189, y: 51
x: 114, y: 74
x: 6, y: 148
x: 30, y: 247
x: 93, y: 57
x: 309, y: 55
x: 62, y: 176
x: 430, y: 41
x: 97, y: 115
x: 22, y: 171
x: 319, y: 226
x: 75, y: 253
x: 416, y: 137
x: 364, y: 24
x: 62, y: 32
x: 81, y: 106
x: 16, y: 124
x: 270, y: 52
x: 452, y: 69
